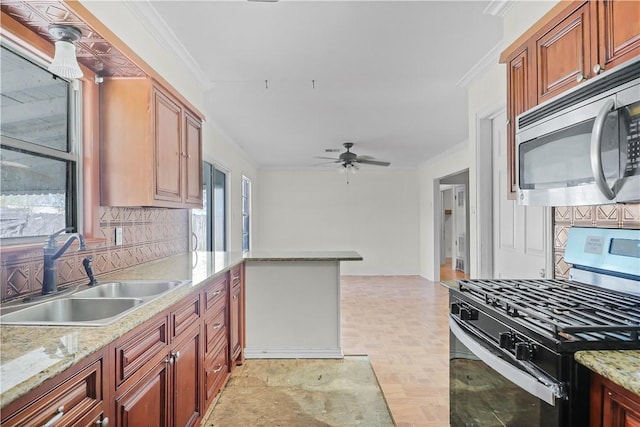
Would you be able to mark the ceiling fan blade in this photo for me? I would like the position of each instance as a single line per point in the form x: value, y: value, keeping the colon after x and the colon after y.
x: 371, y: 162
x: 326, y: 158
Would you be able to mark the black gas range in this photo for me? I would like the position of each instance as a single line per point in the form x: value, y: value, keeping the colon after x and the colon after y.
x: 513, y: 340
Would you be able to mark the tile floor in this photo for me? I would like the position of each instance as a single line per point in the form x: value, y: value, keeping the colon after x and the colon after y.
x: 401, y: 323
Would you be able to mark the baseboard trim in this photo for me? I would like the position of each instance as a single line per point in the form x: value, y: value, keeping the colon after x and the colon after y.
x: 293, y: 353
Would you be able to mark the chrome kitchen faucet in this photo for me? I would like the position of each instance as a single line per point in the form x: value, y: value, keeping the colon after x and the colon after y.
x: 51, y: 254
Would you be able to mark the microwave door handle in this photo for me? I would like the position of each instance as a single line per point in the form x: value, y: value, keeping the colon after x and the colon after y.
x: 596, y: 152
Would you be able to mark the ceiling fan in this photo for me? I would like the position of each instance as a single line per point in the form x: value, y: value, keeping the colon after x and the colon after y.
x: 350, y: 160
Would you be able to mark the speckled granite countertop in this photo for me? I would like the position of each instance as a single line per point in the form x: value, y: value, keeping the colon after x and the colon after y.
x: 30, y: 355
x: 303, y: 256
x: 620, y: 366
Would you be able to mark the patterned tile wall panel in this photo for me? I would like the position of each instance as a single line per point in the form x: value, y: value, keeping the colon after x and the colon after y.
x: 148, y: 234
x: 605, y: 216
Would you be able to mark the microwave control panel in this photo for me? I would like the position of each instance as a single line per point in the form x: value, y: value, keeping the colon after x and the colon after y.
x: 632, y: 126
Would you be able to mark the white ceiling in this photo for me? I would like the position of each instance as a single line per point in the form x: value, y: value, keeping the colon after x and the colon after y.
x: 382, y: 74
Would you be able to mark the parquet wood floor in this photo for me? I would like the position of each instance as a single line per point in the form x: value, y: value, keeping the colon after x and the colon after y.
x: 401, y: 323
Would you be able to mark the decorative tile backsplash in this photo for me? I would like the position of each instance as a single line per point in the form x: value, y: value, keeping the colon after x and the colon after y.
x: 148, y: 234
x: 604, y: 216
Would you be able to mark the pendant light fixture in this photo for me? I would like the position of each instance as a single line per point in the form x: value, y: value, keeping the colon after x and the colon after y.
x: 64, y: 62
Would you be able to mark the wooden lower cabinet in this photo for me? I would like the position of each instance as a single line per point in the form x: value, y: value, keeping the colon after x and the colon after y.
x: 146, y: 402
x: 236, y: 316
x: 216, y: 371
x: 186, y: 372
x: 613, y: 405
x: 165, y: 372
x: 77, y: 397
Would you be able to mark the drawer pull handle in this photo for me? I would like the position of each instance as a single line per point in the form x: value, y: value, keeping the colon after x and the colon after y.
x: 218, y: 369
x: 103, y: 422
x: 217, y: 326
x: 216, y: 293
x: 59, y: 413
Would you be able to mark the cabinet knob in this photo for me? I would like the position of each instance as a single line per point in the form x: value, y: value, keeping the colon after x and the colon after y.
x: 581, y: 77
x: 597, y: 69
x: 169, y: 360
x: 103, y: 422
x: 175, y: 355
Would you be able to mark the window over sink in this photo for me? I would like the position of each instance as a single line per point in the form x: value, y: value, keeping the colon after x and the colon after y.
x: 39, y: 149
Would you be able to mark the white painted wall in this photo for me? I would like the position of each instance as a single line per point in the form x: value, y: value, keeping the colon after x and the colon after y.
x: 217, y: 148
x: 487, y: 92
x: 376, y: 214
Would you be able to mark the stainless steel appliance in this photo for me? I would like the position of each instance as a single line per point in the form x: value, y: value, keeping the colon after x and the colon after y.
x: 512, y: 342
x: 583, y: 147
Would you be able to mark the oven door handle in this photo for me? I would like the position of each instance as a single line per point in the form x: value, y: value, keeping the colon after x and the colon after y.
x: 546, y: 392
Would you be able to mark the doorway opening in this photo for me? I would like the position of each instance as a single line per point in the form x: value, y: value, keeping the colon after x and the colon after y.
x: 452, y: 214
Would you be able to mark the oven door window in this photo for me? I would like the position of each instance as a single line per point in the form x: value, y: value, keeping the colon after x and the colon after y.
x: 480, y: 396
x: 563, y: 158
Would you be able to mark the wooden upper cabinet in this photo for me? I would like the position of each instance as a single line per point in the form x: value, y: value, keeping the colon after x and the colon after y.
x: 169, y: 153
x: 193, y: 151
x: 618, y: 33
x: 573, y: 42
x: 151, y: 147
x: 563, y: 54
x: 518, y: 88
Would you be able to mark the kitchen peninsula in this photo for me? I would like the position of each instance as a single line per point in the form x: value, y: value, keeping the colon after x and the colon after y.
x: 34, y: 356
x: 293, y: 304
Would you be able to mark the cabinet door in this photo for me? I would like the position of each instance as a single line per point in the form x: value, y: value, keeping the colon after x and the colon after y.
x: 518, y: 90
x: 167, y: 128
x: 187, y: 368
x: 619, y: 32
x: 612, y: 405
x: 235, y: 325
x: 193, y: 149
x: 563, y: 54
x: 146, y: 403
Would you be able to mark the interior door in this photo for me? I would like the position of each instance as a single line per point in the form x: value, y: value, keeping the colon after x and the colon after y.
x: 460, y: 224
x: 521, y: 234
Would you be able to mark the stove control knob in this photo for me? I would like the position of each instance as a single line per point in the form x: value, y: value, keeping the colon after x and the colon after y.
x: 468, y: 314
x: 506, y: 340
x: 455, y: 308
x: 524, y: 351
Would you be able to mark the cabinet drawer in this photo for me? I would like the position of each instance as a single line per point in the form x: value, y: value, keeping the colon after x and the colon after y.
x: 235, y: 275
x: 216, y: 294
x: 78, y: 395
x: 215, y: 329
x: 216, y: 370
x: 185, y: 315
x: 134, y: 351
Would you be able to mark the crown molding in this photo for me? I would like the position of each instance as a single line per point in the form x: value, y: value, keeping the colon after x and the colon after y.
x: 491, y: 58
x: 498, y: 7
x: 149, y: 18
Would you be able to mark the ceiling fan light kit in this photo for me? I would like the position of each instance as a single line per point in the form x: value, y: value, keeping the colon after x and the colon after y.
x: 349, y: 161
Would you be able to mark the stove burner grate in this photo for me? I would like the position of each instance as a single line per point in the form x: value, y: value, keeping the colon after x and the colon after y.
x: 562, y: 308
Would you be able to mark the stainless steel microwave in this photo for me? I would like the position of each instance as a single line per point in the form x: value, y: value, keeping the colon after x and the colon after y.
x: 583, y: 146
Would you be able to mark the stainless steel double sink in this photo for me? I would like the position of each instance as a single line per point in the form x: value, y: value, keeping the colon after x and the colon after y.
x: 99, y: 305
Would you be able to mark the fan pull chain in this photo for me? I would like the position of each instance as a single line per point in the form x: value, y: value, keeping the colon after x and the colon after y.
x: 266, y: 84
